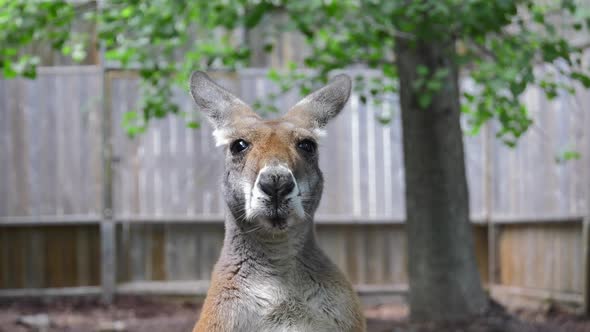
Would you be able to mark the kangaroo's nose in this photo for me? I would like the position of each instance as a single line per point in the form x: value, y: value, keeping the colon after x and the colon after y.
x: 276, y: 184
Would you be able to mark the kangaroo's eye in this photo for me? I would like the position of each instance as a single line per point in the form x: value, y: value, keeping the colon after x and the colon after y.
x: 307, y: 145
x: 238, y: 146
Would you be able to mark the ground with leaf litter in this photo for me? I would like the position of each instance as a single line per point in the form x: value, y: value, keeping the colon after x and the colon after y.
x: 144, y: 314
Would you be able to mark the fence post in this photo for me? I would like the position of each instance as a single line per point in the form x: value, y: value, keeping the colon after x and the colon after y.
x: 108, y: 250
x: 586, y: 225
x: 107, y: 225
x: 488, y: 141
x: 586, y: 255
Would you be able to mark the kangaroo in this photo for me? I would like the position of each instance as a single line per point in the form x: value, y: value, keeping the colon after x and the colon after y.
x: 271, y: 274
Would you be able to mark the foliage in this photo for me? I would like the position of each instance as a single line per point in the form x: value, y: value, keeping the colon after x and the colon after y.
x: 500, y: 45
x: 26, y: 22
x: 152, y: 35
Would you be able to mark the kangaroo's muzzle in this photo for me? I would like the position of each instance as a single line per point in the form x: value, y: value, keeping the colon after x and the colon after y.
x: 275, y: 196
x: 276, y: 184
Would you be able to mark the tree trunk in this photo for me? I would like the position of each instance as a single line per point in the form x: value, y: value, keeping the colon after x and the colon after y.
x: 443, y: 276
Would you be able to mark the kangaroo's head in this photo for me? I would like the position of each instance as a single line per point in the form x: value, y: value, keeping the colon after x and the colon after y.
x: 272, y: 180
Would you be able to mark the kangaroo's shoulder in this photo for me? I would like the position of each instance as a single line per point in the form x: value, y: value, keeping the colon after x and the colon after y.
x: 224, y: 308
x: 329, y: 292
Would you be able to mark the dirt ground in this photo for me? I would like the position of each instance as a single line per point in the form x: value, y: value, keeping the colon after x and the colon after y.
x: 144, y: 314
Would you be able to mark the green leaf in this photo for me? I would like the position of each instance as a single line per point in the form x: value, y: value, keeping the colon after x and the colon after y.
x: 8, y: 71
x: 582, y: 78
x: 422, y: 70
x: 424, y: 100
x: 418, y: 84
x: 539, y: 16
x: 193, y: 124
x: 130, y: 116
x: 273, y: 75
x: 434, y: 85
x: 570, y: 5
x: 389, y: 70
x: 442, y: 73
x: 254, y: 16
x: 268, y: 47
x: 127, y: 12
x: 567, y: 156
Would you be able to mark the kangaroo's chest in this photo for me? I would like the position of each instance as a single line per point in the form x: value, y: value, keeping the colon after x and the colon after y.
x: 287, y: 306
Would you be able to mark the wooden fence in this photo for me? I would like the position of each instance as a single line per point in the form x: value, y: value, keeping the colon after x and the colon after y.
x: 83, y: 206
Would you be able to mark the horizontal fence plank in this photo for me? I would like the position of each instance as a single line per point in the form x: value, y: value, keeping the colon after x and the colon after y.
x: 538, y: 295
x: 218, y: 219
x: 499, y: 219
x: 49, y: 220
x: 168, y: 288
x: 200, y: 287
x: 68, y: 70
x: 51, y: 292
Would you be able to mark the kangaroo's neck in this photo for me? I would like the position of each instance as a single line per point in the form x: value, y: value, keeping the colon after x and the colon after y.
x: 245, y: 245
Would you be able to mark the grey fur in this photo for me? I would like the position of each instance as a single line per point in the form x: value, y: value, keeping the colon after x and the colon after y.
x: 285, y: 285
x: 324, y: 104
x: 216, y: 102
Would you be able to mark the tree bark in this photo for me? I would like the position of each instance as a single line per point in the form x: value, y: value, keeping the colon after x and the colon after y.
x: 443, y: 276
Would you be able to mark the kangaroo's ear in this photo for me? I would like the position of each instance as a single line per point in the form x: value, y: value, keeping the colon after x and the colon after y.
x: 220, y: 106
x: 315, y: 110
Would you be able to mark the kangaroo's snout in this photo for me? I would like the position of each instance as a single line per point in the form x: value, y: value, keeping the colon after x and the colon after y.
x: 275, y: 195
x: 276, y: 183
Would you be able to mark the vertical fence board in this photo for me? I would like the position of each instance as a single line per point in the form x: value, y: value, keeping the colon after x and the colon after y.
x: 82, y: 239
x: 52, y: 183
x: 182, y: 252
x: 4, y: 146
x: 585, y: 261
x: 20, y: 200
x: 34, y: 130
